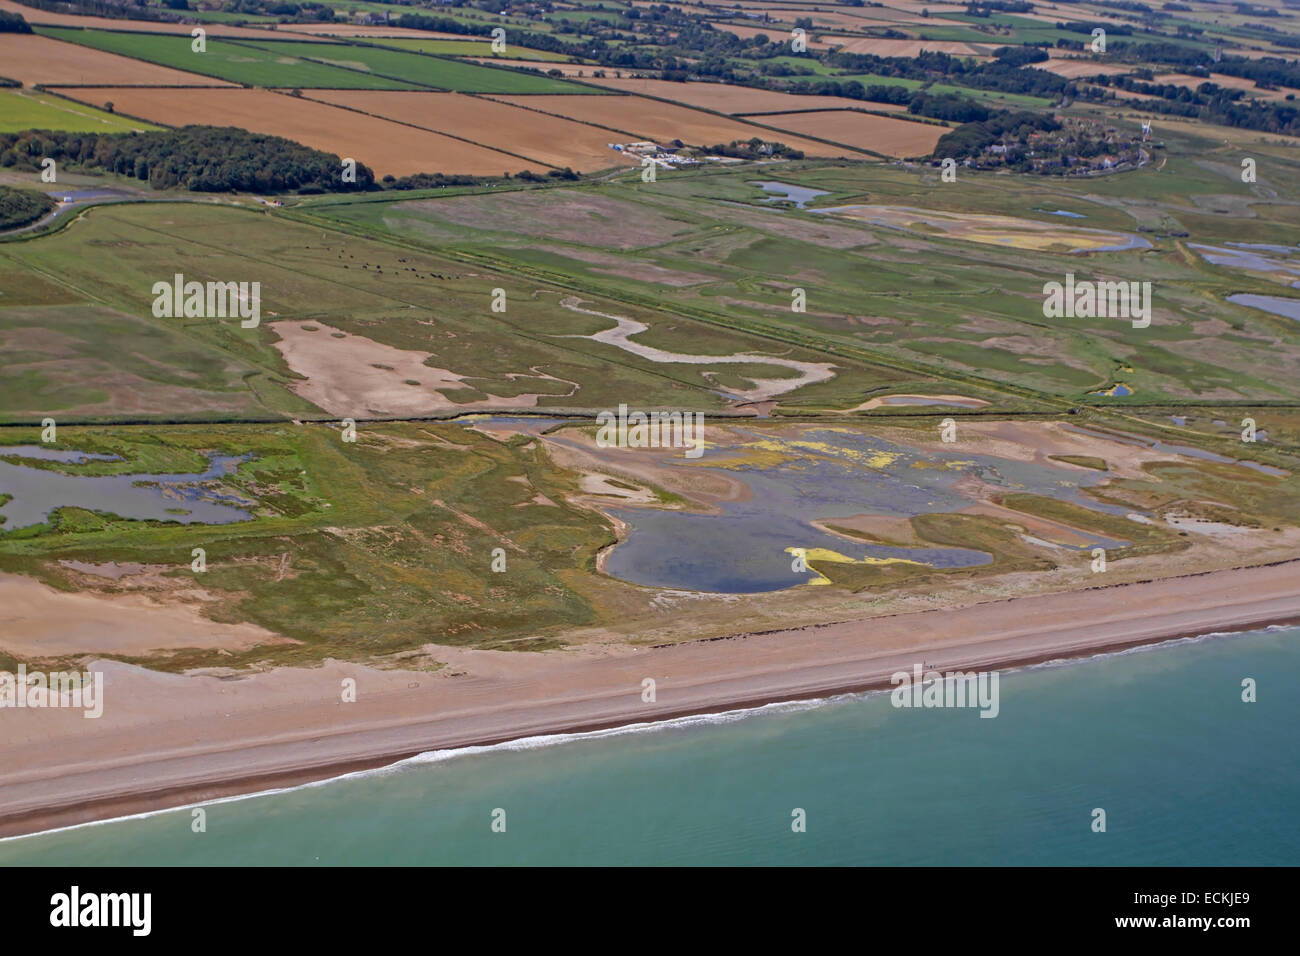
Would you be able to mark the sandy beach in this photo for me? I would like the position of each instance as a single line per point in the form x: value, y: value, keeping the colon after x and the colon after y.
x: 168, y: 740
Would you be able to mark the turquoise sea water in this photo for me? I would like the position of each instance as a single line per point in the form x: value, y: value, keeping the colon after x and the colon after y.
x: 1159, y: 738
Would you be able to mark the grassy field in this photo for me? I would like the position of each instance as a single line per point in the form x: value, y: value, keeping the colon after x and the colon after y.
x: 227, y: 60
x: 987, y: 96
x: 356, y: 550
x: 480, y: 46
x: 27, y: 109
x: 380, y: 307
x: 436, y: 72
x: 706, y: 245
x: 402, y: 298
x: 369, y: 550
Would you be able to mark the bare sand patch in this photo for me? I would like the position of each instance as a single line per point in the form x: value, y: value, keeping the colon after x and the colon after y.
x: 1040, y: 442
x: 705, y: 488
x: 594, y: 483
x: 353, y: 376
x: 887, y: 528
x: 919, y: 400
x: 37, y: 621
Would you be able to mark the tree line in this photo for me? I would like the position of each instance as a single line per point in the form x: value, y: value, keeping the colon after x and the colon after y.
x: 196, y: 158
x: 19, y: 207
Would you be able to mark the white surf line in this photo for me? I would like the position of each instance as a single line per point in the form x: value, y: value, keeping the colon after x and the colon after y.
x: 625, y: 328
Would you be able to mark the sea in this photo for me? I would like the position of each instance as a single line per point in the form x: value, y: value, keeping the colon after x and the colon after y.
x: 1159, y: 739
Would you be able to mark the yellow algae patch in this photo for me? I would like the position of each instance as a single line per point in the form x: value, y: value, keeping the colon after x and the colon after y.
x: 811, y: 555
x: 747, y: 456
x: 779, y: 450
x: 943, y: 465
x: 989, y: 229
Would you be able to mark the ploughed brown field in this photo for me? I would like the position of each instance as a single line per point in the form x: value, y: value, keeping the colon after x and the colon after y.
x: 636, y: 118
x: 882, y: 134
x: 36, y: 59
x: 537, y: 136
x: 726, y: 98
x: 384, y: 146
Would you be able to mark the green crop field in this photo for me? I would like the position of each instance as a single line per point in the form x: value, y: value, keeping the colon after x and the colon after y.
x: 989, y: 96
x: 31, y: 110
x: 226, y: 60
x: 437, y: 72
x: 479, y: 47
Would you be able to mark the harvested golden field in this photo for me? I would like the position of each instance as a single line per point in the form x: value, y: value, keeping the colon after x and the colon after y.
x: 541, y: 138
x: 34, y: 59
x: 1230, y: 135
x: 876, y: 47
x: 726, y: 98
x: 384, y: 146
x: 1074, y: 67
x: 45, y: 17
x: 773, y: 31
x: 638, y: 118
x: 880, y: 134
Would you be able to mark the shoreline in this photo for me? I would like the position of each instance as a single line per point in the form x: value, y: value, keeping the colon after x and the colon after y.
x: 557, y: 693
x: 138, y: 805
